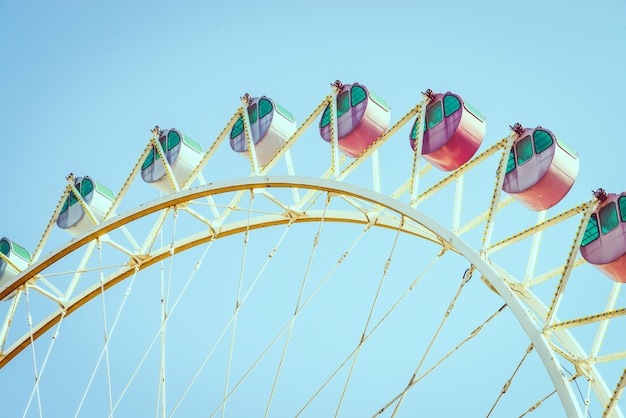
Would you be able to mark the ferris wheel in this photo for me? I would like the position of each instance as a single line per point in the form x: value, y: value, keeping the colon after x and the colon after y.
x: 383, y: 269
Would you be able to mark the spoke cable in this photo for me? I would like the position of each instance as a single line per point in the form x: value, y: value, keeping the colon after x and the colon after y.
x: 161, y: 334
x: 105, y: 327
x: 106, y: 342
x: 45, y: 361
x: 505, y: 388
x: 414, y: 382
x: 295, y: 313
x: 156, y: 336
x: 369, y: 317
x: 464, y: 279
x: 286, y: 326
x: 538, y: 404
x: 374, y: 328
x: 246, y: 237
x: 573, y: 377
x: 165, y: 296
x: 270, y: 256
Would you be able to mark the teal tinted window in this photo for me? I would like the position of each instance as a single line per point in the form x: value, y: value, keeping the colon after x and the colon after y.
x: 591, y: 233
x: 622, y: 208
x: 265, y: 107
x: 414, y: 130
x: 71, y: 199
x: 287, y: 114
x: 343, y: 103
x: 380, y: 102
x: 149, y: 160
x: 66, y: 205
x: 510, y: 165
x: 105, y: 191
x: 450, y: 105
x: 4, y: 247
x: 173, y: 139
x: 253, y: 114
x: 237, y: 128
x: 542, y: 139
x: 326, y: 117
x: 524, y: 150
x: 608, y: 218
x: 192, y: 144
x: 571, y: 151
x: 434, y: 114
x: 474, y: 111
x: 21, y: 251
x: 358, y: 95
x: 86, y: 187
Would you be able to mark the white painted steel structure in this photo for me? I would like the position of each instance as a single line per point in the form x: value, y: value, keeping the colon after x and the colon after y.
x: 136, y: 239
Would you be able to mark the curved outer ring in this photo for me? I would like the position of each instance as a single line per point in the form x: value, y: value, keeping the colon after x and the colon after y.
x: 523, y: 315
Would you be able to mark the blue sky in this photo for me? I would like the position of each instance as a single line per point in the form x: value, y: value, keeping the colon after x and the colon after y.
x: 83, y: 83
x: 81, y: 78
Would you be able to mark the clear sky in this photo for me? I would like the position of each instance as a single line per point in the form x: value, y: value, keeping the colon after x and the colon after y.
x: 83, y: 79
x: 82, y: 83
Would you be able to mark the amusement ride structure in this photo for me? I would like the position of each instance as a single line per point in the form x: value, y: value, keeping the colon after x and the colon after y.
x: 382, y: 270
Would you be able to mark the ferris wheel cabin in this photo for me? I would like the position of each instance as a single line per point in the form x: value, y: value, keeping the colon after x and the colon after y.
x: 541, y: 169
x: 18, y: 259
x: 271, y: 126
x: 604, y: 242
x: 453, y: 131
x: 182, y: 154
x: 96, y: 197
x: 362, y: 118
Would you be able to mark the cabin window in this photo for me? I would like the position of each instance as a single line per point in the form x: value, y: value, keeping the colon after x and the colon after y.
x: 192, y: 144
x: 173, y: 139
x: 524, y: 150
x: 450, y: 105
x: 414, y: 129
x: 608, y: 218
x: 622, y: 207
x: 591, y: 233
x: 105, y: 191
x: 66, y: 205
x: 21, y: 252
x: 358, y: 95
x: 434, y: 114
x: 149, y: 159
x: 542, y: 139
x: 287, y: 114
x: 326, y: 117
x: 72, y: 198
x: 265, y: 108
x: 510, y: 165
x: 571, y: 151
x: 343, y: 103
x: 237, y: 128
x: 5, y: 247
x: 474, y: 111
x: 86, y: 186
x: 380, y: 102
x: 252, y: 114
